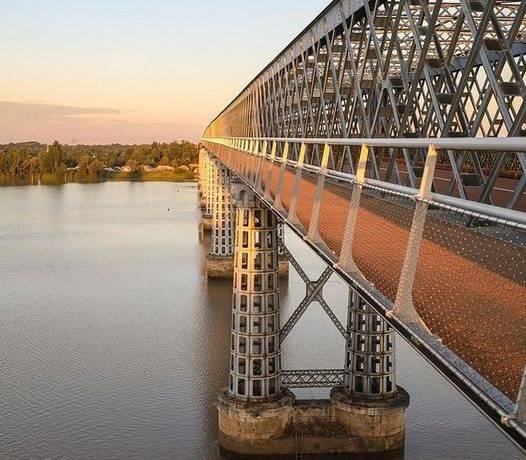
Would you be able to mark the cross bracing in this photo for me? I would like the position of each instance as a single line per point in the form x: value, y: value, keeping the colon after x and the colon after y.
x: 399, y: 69
x: 312, y: 378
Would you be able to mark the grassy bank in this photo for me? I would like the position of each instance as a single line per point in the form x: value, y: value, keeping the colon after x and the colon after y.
x: 72, y: 177
x: 153, y: 176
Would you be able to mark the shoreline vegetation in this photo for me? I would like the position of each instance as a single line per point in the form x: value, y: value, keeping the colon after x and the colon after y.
x: 32, y: 163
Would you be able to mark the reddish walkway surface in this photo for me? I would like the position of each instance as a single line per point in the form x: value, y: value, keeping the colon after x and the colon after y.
x: 470, y: 288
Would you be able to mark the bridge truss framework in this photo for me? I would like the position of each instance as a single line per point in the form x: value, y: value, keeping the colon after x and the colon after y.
x: 400, y: 124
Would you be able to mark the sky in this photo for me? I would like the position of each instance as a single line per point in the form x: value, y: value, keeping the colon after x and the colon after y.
x: 133, y: 71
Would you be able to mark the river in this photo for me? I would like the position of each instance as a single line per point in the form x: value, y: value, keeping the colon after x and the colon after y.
x: 114, y: 345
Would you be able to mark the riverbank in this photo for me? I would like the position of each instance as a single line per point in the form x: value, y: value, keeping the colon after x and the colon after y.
x: 74, y: 177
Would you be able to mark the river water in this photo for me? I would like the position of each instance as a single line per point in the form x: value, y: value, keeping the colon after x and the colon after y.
x: 114, y: 345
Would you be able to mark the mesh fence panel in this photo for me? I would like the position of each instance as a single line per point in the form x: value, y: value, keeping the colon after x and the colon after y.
x: 232, y: 159
x: 380, y: 238
x: 238, y: 164
x: 306, y: 199
x: 265, y: 168
x: 470, y: 290
x: 228, y: 158
x: 334, y: 209
x: 253, y: 162
x: 288, y: 186
x: 273, y: 184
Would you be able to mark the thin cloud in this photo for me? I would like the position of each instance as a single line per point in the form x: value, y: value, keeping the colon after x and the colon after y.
x: 11, y: 112
x: 46, y: 122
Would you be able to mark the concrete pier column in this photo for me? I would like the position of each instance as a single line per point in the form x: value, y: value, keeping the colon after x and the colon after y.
x: 208, y: 190
x: 201, y: 163
x: 254, y: 407
x: 220, y: 261
x: 370, y: 405
x: 202, y: 185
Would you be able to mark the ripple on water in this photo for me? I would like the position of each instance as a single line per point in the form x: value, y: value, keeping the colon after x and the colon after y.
x: 112, y: 345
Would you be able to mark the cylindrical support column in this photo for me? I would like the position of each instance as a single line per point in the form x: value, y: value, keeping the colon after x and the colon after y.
x: 369, y: 351
x: 209, y: 194
x: 370, y: 405
x: 220, y: 263
x: 202, y: 183
x: 254, y: 407
x: 255, y: 352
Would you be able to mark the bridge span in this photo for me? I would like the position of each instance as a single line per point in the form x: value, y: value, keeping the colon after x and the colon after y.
x: 389, y: 135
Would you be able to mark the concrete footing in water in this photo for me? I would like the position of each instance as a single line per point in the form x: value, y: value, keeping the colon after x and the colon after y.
x: 219, y: 267
x: 286, y: 426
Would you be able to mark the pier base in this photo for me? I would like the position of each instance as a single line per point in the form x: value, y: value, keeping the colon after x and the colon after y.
x: 253, y: 428
x: 287, y: 426
x: 219, y: 267
x: 380, y: 425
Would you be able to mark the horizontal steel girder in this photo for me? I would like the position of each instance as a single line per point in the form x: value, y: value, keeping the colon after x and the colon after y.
x: 312, y: 378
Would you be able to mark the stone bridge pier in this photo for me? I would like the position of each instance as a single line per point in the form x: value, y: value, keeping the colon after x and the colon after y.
x: 219, y: 218
x: 206, y: 175
x: 219, y: 263
x: 258, y: 412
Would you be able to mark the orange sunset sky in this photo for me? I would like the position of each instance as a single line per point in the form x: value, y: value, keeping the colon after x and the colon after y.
x: 133, y: 71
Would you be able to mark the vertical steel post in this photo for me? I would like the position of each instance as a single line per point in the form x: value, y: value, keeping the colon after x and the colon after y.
x: 267, y: 195
x: 313, y: 233
x: 293, y: 213
x: 346, y: 261
x: 277, y: 200
x: 404, y: 296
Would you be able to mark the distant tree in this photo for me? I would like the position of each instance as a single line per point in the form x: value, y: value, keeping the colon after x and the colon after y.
x: 62, y: 169
x: 83, y: 165
x: 165, y: 160
x: 154, y: 154
x: 95, y: 166
x: 133, y: 165
x: 55, y: 151
x: 34, y: 165
x: 46, y: 161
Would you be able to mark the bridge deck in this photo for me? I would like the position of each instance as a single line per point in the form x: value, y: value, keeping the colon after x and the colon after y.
x: 470, y: 287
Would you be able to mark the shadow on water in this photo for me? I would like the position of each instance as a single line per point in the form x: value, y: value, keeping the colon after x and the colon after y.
x: 395, y: 455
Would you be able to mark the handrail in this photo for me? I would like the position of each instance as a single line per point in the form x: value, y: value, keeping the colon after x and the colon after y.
x: 477, y: 209
x: 502, y: 144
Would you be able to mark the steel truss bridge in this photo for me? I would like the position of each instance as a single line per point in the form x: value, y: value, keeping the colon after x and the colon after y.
x: 390, y: 136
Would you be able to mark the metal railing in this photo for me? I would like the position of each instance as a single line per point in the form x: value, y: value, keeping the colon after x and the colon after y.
x: 272, y: 149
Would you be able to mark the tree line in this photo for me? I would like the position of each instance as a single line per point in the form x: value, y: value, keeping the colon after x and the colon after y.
x: 29, y: 158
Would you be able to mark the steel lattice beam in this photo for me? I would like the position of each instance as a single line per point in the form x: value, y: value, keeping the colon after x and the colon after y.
x: 312, y: 378
x: 398, y: 68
